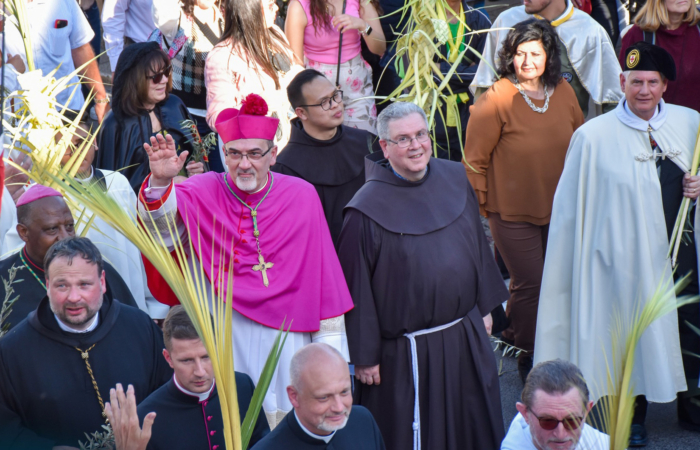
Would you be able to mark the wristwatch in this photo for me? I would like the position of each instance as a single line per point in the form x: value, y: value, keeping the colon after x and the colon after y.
x: 367, y: 31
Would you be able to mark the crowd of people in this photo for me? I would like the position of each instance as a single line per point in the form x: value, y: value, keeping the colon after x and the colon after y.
x: 359, y: 224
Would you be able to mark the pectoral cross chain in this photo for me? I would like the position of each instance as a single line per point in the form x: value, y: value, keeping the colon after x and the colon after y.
x: 262, y: 267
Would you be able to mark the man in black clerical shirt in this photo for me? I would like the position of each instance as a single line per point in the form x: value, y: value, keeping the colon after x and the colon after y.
x: 187, y: 407
x: 321, y: 150
x: 43, y: 219
x: 323, y: 415
x: 58, y: 364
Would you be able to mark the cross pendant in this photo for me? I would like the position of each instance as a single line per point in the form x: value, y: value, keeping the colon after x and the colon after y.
x: 262, y: 267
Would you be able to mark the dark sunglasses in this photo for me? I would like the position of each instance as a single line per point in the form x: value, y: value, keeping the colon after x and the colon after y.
x: 550, y: 423
x: 158, y: 77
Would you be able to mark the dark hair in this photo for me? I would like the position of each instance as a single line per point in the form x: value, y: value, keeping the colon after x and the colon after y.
x: 554, y: 377
x: 527, y: 31
x: 178, y: 325
x: 294, y: 94
x: 245, y: 26
x: 72, y: 247
x: 188, y: 7
x: 133, y: 85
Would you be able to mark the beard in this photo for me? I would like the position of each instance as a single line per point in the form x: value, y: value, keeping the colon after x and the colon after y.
x: 331, y: 428
x: 79, y: 321
x: 246, y: 184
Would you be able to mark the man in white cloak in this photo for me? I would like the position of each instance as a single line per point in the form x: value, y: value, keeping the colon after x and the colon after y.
x: 625, y: 175
x: 588, y: 59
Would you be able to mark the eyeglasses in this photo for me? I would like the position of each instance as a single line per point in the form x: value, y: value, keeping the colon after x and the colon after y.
x: 252, y: 156
x: 550, y: 423
x: 326, y: 103
x: 158, y: 77
x: 405, y: 141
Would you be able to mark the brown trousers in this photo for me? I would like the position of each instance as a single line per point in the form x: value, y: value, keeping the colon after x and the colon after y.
x: 522, y: 246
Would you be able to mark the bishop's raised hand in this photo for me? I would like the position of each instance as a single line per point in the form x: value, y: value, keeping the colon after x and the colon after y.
x: 163, y: 159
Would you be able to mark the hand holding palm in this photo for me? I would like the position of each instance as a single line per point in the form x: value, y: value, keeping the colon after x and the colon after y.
x: 164, y: 162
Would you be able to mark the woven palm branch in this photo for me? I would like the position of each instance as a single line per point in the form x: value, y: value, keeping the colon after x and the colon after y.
x: 212, y: 319
x: 417, y: 51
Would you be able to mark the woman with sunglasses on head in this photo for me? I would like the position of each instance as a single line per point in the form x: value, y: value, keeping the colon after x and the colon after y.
x: 315, y: 29
x: 252, y: 57
x: 141, y: 107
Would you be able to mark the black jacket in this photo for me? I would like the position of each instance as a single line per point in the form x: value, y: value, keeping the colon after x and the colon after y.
x: 120, y: 142
x: 47, y: 396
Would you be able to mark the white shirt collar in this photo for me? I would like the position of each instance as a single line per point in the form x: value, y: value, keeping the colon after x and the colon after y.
x: 86, y: 179
x: 627, y: 117
x: 92, y: 326
x: 325, y: 439
x: 202, y: 397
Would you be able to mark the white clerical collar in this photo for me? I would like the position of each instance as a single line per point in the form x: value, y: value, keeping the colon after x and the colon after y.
x: 92, y: 326
x: 630, y: 119
x: 325, y: 439
x: 202, y: 397
x: 86, y: 179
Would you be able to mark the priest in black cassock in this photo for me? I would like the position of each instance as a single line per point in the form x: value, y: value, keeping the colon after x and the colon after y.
x: 423, y: 280
x: 43, y: 219
x: 321, y: 150
x: 58, y: 365
x: 323, y: 417
x: 188, y: 410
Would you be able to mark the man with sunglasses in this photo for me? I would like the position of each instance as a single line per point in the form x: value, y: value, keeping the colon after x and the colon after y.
x: 321, y: 150
x: 552, y: 415
x: 266, y: 228
x: 424, y: 282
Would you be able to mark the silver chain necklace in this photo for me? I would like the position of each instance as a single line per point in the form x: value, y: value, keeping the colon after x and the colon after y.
x: 537, y: 109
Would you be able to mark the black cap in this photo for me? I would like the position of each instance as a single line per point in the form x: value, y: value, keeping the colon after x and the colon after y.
x: 645, y: 56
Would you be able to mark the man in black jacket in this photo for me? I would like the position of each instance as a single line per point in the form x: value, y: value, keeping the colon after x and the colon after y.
x: 321, y: 150
x: 188, y: 406
x: 59, y: 363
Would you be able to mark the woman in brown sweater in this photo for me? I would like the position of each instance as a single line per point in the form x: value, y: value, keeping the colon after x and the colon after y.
x: 515, y: 147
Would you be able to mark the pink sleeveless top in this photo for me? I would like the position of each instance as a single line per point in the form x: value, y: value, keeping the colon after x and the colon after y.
x: 323, y: 46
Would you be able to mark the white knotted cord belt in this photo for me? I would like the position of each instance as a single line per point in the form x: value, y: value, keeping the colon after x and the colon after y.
x: 414, y: 362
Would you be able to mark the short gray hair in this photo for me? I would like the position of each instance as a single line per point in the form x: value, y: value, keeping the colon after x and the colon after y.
x: 304, y: 356
x: 395, y: 111
x: 554, y: 377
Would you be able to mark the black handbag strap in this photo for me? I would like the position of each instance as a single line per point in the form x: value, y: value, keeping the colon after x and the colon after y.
x: 206, y: 30
x: 340, y: 51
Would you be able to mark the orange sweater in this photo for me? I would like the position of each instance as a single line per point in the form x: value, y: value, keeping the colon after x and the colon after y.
x: 518, y: 154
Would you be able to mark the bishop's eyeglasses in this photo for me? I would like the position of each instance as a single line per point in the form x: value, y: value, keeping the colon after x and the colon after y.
x: 326, y: 103
x: 255, y: 155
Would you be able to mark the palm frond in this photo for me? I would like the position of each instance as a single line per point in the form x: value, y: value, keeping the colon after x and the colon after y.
x: 618, y: 407
x: 206, y: 304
